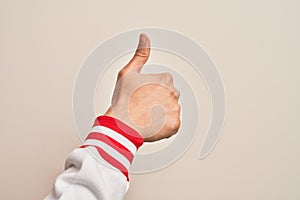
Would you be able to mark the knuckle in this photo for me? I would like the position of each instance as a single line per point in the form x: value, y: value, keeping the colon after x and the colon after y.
x: 176, y: 92
x: 166, y: 77
x: 174, y: 126
x: 177, y: 123
x: 177, y: 107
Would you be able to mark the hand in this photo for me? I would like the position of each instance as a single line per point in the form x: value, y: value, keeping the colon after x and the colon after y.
x: 146, y: 102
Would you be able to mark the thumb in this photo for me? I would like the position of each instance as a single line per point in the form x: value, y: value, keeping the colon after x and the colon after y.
x: 140, y: 57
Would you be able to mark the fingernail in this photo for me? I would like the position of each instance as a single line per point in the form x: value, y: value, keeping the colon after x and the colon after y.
x: 143, y: 40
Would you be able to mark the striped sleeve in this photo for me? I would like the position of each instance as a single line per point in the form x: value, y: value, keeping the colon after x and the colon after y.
x: 115, y: 143
x: 99, y: 168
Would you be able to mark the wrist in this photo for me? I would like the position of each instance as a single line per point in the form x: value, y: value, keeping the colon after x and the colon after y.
x: 109, y: 113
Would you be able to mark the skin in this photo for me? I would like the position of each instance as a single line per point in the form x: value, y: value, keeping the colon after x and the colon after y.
x: 146, y: 102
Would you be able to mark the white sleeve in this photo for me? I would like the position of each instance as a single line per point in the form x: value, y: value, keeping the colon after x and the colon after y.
x: 99, y: 168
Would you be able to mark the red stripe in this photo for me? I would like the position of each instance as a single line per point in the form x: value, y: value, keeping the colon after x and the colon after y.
x: 113, y: 143
x: 111, y: 160
x: 121, y: 128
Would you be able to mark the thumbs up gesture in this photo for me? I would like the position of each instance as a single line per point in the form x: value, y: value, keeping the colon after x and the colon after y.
x: 146, y: 102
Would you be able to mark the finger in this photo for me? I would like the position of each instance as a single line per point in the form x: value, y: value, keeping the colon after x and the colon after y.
x: 176, y: 92
x: 164, y: 79
x: 140, y: 57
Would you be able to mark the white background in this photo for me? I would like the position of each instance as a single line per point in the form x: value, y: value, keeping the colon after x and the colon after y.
x: 255, y: 45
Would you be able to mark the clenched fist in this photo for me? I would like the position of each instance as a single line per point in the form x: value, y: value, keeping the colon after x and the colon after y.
x: 146, y: 102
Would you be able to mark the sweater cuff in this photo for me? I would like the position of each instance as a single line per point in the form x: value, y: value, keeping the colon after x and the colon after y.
x: 116, y: 143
